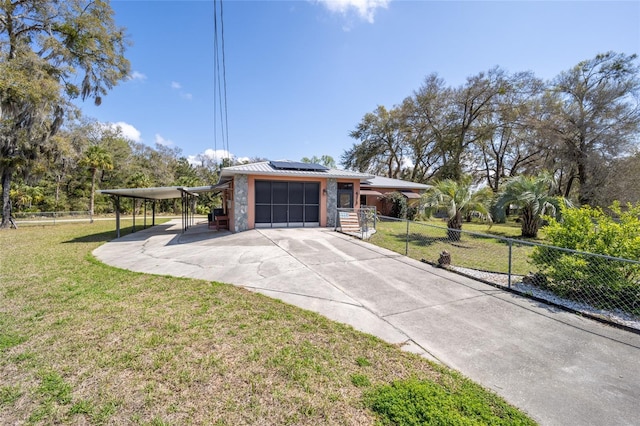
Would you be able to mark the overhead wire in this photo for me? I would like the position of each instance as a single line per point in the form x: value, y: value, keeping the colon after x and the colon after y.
x: 215, y: 73
x: 224, y: 76
x: 220, y: 84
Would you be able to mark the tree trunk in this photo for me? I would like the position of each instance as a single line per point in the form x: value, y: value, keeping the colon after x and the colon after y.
x: 530, y: 223
x: 94, y: 172
x: 584, y: 192
x: 7, y: 173
x: 57, y: 197
x: 567, y: 191
x: 454, y: 226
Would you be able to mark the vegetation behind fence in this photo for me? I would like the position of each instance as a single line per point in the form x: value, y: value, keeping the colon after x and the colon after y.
x: 602, y: 286
x: 40, y: 218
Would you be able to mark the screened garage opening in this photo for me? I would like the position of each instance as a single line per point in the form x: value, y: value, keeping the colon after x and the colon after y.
x: 287, y: 204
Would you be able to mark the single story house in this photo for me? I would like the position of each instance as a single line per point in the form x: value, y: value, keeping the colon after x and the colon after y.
x: 277, y: 194
x: 295, y: 194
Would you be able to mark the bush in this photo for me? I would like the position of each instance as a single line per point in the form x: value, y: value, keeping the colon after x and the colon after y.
x: 398, y: 204
x: 79, y: 205
x: 415, y: 402
x: 600, y: 282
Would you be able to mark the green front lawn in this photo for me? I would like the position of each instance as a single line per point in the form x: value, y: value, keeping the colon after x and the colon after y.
x: 510, y: 229
x: 426, y: 240
x: 85, y: 343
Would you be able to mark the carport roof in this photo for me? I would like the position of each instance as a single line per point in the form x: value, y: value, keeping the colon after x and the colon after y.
x: 162, y: 192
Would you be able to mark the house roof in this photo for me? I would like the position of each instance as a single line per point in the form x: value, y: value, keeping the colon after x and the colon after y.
x: 384, y: 182
x: 297, y: 169
x: 268, y: 168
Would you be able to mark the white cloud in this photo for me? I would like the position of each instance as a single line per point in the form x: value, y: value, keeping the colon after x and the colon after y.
x: 162, y: 141
x: 127, y: 130
x: 137, y: 76
x: 184, y: 95
x: 215, y: 156
x: 365, y: 9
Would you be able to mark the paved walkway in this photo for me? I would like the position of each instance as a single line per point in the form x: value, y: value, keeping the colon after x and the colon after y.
x: 558, y: 367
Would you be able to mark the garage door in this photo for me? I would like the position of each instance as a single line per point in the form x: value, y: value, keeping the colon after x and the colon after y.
x: 287, y: 204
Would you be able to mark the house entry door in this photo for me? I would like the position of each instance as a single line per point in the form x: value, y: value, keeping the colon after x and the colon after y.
x: 345, y: 195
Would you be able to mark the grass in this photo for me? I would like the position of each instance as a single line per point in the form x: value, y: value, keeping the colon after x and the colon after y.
x: 415, y: 402
x: 509, y: 229
x: 85, y: 343
x: 426, y: 240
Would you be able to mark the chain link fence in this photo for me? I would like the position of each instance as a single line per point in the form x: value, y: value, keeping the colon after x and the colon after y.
x: 602, y: 287
x: 49, y: 218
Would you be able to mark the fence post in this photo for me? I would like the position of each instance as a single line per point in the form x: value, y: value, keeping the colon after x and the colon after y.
x: 406, y: 241
x: 510, y: 252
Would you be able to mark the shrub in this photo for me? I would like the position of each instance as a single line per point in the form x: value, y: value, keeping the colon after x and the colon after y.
x: 601, y: 282
x: 415, y: 402
x: 398, y: 204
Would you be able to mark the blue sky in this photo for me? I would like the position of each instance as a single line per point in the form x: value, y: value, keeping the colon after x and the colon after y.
x: 301, y: 74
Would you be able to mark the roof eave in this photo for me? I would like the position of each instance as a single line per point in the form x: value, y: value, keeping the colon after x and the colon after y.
x: 328, y: 174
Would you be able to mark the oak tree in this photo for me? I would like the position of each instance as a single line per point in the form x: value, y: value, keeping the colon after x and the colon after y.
x: 593, y: 116
x: 50, y: 53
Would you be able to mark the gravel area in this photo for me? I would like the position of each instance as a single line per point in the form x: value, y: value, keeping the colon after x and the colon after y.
x: 517, y: 284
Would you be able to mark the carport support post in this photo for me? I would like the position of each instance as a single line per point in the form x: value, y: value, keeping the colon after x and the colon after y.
x: 117, y: 202
x: 185, y: 216
x: 153, y: 213
x: 192, y: 210
x: 145, y: 213
x: 182, y: 208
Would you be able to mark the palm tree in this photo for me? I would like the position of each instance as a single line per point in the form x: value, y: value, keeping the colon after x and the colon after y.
x: 96, y: 158
x: 139, y: 180
x: 532, y: 194
x: 460, y: 200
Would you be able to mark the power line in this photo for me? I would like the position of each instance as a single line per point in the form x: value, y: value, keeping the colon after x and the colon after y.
x: 224, y: 76
x: 215, y: 75
x: 220, y: 83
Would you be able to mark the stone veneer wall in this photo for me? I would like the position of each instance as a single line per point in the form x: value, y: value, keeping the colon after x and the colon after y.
x: 241, y: 203
x: 332, y: 202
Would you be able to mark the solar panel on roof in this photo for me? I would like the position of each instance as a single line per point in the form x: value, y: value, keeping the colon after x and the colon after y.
x: 296, y: 165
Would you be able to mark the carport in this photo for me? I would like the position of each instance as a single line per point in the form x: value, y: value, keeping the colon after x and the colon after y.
x: 187, y: 195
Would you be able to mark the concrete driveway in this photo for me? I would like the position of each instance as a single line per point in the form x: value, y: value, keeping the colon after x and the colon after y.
x: 558, y: 367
